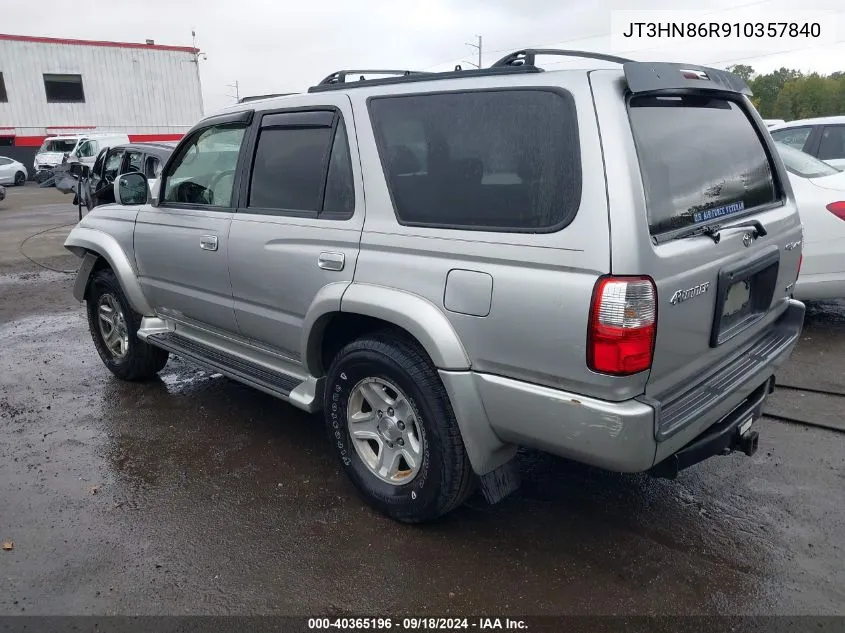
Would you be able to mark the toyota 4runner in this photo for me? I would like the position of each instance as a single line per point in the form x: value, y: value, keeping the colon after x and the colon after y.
x: 596, y: 263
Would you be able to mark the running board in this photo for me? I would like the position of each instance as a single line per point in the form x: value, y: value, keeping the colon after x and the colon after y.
x: 267, y: 380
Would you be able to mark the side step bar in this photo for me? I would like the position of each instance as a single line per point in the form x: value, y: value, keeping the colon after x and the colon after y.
x: 267, y: 380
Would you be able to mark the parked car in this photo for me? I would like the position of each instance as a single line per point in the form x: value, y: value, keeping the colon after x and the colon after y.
x: 513, y: 277
x: 820, y: 193
x: 822, y: 137
x: 75, y: 147
x: 12, y: 172
x: 148, y: 158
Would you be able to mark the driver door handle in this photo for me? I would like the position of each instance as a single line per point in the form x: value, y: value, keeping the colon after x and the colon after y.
x: 208, y: 242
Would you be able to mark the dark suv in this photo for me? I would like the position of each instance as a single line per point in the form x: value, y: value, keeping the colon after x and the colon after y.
x: 147, y: 158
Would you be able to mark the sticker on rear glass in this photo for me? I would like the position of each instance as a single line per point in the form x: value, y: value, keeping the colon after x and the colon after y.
x: 718, y: 212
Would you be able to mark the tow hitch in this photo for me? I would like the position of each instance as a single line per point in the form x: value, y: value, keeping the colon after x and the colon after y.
x: 731, y: 434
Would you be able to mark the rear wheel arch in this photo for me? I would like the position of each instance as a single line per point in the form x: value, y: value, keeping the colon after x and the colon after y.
x: 365, y: 308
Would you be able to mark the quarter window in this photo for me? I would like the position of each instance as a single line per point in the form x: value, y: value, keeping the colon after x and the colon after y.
x: 497, y: 160
x: 204, y: 171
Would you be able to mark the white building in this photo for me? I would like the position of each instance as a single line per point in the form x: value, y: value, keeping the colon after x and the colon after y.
x: 51, y: 86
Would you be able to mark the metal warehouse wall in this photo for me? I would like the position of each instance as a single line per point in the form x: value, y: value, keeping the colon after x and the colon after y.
x: 134, y: 88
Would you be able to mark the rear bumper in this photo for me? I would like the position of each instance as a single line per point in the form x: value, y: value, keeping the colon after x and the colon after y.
x: 630, y: 436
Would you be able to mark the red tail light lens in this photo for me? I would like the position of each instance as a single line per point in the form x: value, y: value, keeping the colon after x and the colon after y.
x: 837, y: 209
x: 623, y: 323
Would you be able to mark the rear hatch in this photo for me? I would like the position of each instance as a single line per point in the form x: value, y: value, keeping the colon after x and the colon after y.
x: 707, y: 164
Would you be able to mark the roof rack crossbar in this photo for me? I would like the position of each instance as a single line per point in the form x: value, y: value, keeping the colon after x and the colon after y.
x: 340, y: 76
x: 527, y: 56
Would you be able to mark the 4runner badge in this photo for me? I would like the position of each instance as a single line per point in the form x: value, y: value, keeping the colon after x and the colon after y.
x: 682, y: 295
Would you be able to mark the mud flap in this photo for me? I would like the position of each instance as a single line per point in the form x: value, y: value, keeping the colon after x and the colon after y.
x: 499, y: 483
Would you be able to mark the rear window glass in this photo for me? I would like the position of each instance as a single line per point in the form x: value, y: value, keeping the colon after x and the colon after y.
x: 484, y: 160
x: 701, y: 160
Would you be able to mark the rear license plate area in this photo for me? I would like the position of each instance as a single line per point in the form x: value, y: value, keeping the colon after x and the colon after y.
x: 743, y: 295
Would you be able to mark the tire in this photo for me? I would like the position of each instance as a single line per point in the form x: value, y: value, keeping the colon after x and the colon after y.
x: 20, y: 179
x: 444, y: 478
x: 138, y: 360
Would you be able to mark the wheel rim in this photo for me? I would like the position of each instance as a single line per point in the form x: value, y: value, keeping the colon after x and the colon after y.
x: 113, y: 329
x: 385, y: 431
x: 19, y: 178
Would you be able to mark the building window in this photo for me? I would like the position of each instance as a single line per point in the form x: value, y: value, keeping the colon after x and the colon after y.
x: 3, y: 96
x: 64, y: 88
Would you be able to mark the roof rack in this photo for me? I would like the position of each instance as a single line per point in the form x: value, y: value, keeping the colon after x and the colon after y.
x: 403, y: 76
x: 340, y: 76
x: 526, y: 57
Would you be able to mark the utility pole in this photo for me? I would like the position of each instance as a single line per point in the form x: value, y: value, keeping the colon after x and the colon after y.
x: 237, y: 91
x: 478, y: 47
x: 197, y: 57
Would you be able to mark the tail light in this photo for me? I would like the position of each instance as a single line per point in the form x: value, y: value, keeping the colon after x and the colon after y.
x: 623, y: 323
x: 837, y: 209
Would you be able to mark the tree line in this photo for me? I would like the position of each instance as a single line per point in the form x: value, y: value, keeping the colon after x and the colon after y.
x: 790, y: 94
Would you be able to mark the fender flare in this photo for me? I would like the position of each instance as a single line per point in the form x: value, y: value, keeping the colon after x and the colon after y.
x: 418, y: 316
x: 91, y: 243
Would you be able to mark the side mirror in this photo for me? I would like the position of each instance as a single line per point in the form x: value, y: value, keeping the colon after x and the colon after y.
x: 80, y: 170
x: 131, y: 189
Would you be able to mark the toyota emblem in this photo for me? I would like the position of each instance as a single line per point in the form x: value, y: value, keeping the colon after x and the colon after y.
x: 747, y: 239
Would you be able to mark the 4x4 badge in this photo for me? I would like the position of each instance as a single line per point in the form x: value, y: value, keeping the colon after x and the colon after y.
x: 682, y: 295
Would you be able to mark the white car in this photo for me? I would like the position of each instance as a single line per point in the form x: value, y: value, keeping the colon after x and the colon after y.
x: 823, y: 137
x: 12, y: 172
x: 78, y: 147
x: 820, y: 192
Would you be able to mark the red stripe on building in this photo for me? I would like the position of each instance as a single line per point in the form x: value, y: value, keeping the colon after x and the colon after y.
x: 57, y: 40
x: 152, y: 138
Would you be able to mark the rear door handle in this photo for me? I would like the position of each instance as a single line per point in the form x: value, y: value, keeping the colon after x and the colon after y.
x: 208, y: 242
x: 331, y: 261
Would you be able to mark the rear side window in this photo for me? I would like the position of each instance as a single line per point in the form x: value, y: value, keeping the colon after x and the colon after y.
x: 503, y: 160
x: 833, y: 142
x: 701, y: 160
x: 303, y: 169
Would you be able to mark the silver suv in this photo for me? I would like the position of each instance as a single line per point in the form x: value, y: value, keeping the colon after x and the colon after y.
x: 595, y: 263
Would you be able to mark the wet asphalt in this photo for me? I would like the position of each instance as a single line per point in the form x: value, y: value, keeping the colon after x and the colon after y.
x: 192, y: 494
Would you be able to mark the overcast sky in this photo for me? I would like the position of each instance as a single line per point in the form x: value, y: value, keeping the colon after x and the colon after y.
x: 285, y: 46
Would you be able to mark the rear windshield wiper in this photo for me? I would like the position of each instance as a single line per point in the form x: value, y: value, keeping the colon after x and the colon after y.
x: 714, y: 230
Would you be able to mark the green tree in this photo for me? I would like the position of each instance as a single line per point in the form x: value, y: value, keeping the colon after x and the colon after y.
x: 741, y: 70
x: 767, y: 88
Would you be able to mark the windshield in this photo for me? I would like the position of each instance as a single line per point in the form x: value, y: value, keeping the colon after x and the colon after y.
x: 58, y: 145
x: 804, y: 165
